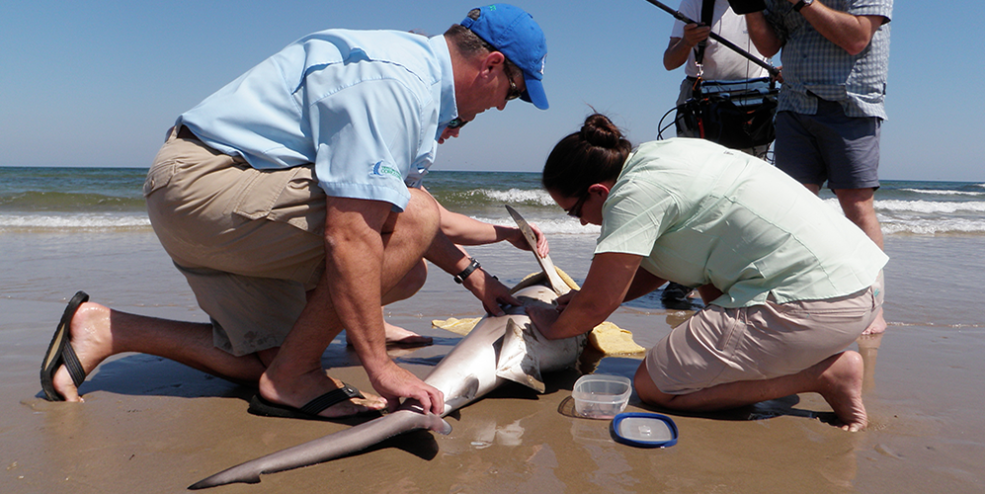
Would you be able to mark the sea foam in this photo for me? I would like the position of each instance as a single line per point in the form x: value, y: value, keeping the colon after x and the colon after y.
x: 73, y: 222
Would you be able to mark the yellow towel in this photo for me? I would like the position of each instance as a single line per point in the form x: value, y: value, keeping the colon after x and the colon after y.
x: 457, y: 326
x: 613, y: 340
x: 606, y: 337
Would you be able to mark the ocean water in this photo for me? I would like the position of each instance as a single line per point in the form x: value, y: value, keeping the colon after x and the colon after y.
x: 109, y: 199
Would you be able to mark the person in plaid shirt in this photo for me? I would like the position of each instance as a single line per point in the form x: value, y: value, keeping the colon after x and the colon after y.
x: 835, y: 64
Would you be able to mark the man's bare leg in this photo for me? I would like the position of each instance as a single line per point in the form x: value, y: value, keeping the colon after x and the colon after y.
x: 395, y: 335
x: 408, y: 286
x: 859, y: 208
x: 97, y: 332
x: 838, y: 379
x: 868, y: 347
x: 295, y: 376
x: 878, y: 325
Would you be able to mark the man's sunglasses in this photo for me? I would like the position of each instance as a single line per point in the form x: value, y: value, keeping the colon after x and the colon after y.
x: 514, y: 92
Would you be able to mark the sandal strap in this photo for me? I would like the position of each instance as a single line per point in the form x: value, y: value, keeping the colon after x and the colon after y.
x: 73, y: 365
x: 315, y: 406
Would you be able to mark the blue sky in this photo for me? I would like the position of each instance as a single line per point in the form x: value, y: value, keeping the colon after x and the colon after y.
x: 97, y: 83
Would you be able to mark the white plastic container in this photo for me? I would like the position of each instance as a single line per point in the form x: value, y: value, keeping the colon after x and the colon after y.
x: 599, y: 396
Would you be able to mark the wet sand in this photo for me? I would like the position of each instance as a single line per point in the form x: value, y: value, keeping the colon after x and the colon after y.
x: 151, y: 425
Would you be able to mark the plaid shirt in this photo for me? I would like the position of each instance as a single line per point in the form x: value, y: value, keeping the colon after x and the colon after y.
x: 813, y: 63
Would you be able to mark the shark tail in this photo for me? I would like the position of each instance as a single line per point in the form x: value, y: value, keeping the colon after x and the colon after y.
x: 326, y: 448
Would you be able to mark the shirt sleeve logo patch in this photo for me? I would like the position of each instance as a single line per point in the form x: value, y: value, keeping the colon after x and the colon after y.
x: 380, y: 169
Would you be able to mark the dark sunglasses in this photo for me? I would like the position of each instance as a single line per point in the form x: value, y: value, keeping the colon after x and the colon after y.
x: 575, y: 211
x: 457, y: 123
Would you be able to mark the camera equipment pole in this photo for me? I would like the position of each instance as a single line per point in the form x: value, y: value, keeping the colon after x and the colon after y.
x: 686, y: 20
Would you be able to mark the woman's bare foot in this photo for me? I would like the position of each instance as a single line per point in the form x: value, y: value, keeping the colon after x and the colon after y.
x: 878, y: 326
x: 395, y: 335
x: 90, y: 338
x: 313, y: 385
x: 841, y: 387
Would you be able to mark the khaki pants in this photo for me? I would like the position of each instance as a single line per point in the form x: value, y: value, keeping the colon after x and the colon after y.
x: 719, y: 345
x: 250, y: 242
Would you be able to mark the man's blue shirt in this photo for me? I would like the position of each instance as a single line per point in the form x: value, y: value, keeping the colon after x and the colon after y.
x: 366, y: 107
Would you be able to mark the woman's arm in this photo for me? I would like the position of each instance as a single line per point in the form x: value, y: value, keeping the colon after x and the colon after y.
x: 643, y: 283
x: 608, y: 281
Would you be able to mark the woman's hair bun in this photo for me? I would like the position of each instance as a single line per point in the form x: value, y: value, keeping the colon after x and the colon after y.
x: 592, y: 155
x: 600, y: 131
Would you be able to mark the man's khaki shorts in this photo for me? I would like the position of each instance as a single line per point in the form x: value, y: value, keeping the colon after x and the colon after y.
x: 719, y: 345
x: 250, y: 242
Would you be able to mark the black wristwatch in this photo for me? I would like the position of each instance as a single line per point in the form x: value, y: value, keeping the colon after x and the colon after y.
x: 801, y: 4
x: 460, y: 277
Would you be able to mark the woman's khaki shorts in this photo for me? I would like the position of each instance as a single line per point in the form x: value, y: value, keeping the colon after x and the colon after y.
x: 719, y: 345
x: 250, y: 242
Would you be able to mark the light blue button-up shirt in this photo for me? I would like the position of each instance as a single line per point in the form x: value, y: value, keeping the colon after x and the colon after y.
x: 366, y: 107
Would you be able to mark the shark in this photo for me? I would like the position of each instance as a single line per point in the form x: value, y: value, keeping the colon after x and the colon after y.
x: 499, y: 349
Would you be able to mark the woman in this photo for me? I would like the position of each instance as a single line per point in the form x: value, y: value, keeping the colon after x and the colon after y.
x: 789, y: 283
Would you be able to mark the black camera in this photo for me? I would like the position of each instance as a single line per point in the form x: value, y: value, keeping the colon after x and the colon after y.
x: 747, y: 6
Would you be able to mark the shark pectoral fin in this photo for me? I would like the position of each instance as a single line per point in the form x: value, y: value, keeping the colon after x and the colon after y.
x: 517, y: 362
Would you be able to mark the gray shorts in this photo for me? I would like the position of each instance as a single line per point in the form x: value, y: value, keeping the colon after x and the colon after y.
x: 249, y: 242
x: 719, y: 345
x: 829, y: 146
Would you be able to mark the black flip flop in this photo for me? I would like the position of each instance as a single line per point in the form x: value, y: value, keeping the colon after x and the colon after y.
x: 60, y: 352
x: 266, y: 408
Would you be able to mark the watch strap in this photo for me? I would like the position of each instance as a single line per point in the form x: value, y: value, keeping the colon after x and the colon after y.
x: 801, y: 4
x: 460, y: 277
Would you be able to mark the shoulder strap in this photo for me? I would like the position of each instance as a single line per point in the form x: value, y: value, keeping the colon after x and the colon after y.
x: 707, y: 12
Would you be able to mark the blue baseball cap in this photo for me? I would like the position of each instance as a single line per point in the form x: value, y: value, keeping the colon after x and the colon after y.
x: 514, y: 33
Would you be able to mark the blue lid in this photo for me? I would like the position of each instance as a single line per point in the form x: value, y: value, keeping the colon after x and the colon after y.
x: 645, y: 430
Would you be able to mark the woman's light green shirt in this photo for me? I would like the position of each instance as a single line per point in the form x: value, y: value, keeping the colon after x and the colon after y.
x: 700, y: 213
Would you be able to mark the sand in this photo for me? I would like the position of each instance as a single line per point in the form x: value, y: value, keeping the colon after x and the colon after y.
x: 151, y: 425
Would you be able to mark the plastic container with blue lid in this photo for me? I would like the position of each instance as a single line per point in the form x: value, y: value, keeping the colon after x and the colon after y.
x: 600, y: 396
x: 645, y: 430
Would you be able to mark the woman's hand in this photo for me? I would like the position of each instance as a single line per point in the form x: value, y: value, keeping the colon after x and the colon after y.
x: 543, y: 319
x: 562, y: 301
